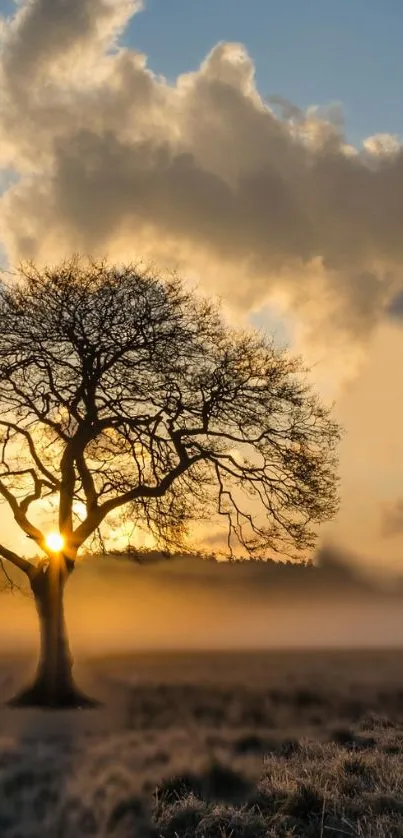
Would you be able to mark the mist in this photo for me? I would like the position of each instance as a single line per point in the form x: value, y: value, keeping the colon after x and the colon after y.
x: 119, y: 605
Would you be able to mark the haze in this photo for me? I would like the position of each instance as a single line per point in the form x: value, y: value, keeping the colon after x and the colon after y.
x: 187, y: 602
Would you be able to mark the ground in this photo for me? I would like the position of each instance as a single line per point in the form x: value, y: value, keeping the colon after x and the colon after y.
x: 212, y: 745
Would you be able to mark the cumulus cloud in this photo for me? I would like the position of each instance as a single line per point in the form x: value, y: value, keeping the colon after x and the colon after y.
x: 203, y: 174
x: 46, y: 35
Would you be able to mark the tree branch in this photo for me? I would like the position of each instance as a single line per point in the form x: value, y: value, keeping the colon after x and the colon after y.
x: 34, y: 454
x: 17, y: 561
x: 87, y: 481
x: 93, y: 521
x: 20, y: 515
x: 68, y: 480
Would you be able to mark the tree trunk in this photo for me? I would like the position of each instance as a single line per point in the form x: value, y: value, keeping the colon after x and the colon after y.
x: 54, y: 684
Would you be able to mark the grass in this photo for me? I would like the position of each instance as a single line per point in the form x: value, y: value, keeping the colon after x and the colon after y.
x: 320, y: 789
x: 263, y: 750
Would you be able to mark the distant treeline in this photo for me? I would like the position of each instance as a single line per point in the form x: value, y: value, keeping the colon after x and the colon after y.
x: 148, y: 556
x: 329, y: 572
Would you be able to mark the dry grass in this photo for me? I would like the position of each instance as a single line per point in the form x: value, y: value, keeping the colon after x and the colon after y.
x: 264, y: 748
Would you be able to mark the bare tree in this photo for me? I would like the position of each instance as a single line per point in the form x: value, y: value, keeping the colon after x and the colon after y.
x: 118, y: 389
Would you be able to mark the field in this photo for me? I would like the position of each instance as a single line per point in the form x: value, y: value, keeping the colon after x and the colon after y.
x: 211, y: 745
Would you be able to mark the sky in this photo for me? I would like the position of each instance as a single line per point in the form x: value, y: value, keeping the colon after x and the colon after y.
x: 316, y: 52
x: 254, y: 147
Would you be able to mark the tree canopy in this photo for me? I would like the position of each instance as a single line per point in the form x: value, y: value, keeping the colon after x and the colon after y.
x: 122, y: 390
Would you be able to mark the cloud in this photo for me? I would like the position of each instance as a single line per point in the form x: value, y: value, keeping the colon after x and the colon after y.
x: 392, y: 519
x: 201, y: 174
x: 395, y: 307
x: 47, y: 35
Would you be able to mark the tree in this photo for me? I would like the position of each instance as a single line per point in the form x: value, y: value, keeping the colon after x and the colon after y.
x: 119, y: 390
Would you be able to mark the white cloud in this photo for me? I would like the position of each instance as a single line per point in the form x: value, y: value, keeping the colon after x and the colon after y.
x: 383, y: 144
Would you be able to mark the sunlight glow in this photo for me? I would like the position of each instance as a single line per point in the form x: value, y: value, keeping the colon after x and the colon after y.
x: 54, y: 542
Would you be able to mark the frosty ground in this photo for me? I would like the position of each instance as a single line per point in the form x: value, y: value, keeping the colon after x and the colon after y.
x: 211, y: 745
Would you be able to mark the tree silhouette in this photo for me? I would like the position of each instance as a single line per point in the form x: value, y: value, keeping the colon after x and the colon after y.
x: 121, y: 390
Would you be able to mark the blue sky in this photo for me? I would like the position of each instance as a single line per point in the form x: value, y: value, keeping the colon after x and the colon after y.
x: 308, y: 51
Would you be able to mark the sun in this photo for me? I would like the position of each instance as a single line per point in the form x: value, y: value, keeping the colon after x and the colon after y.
x: 54, y: 542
